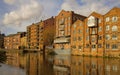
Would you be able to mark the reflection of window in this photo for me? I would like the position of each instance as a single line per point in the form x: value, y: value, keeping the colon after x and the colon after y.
x: 114, y: 28
x: 114, y: 46
x: 107, y: 19
x: 107, y: 37
x: 107, y: 46
x: 107, y: 27
x: 114, y: 37
x: 114, y: 18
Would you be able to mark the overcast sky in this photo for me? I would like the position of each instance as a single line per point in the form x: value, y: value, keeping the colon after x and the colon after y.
x: 15, y: 15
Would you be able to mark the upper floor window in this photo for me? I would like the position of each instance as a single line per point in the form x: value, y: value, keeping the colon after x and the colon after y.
x: 87, y: 30
x: 107, y: 46
x: 114, y: 37
x: 114, y: 18
x: 114, y: 28
x: 68, y: 18
x: 87, y: 38
x: 79, y: 31
x: 114, y: 46
x: 107, y: 37
x: 107, y: 27
x: 100, y: 29
x: 99, y: 20
x: 74, y: 25
x: 107, y: 19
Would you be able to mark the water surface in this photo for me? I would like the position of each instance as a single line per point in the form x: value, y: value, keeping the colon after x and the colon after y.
x: 17, y: 63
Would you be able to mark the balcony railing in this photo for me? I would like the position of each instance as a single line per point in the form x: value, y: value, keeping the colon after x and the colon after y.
x: 62, y: 40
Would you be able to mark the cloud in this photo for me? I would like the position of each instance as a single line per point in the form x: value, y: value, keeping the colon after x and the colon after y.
x: 25, y: 12
x: 86, y: 7
x: 10, y: 1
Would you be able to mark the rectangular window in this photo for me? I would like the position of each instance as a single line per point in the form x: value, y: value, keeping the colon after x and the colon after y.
x: 114, y: 46
x: 107, y: 46
x: 99, y: 45
x: 93, y: 46
x: 107, y: 19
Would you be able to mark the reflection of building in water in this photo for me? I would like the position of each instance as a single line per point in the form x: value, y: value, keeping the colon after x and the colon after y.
x: 12, y: 59
x: 94, y: 66
x: 61, y: 65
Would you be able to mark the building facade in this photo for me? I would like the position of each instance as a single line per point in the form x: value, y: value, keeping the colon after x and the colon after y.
x: 63, y: 23
x: 100, y: 35
x: 13, y: 41
x: 36, y: 33
x: 1, y: 40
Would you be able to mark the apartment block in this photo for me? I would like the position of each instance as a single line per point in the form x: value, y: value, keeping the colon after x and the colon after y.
x: 38, y: 34
x: 97, y: 35
x: 2, y: 40
x: 112, y: 32
x: 77, y: 37
x: 13, y: 41
x: 33, y: 36
x: 63, y: 23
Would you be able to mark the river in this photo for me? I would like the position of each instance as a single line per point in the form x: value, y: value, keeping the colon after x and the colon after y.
x: 18, y: 63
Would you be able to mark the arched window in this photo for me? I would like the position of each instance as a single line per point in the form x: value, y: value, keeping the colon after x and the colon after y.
x: 114, y: 28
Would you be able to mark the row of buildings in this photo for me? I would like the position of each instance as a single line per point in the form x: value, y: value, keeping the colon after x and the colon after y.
x: 71, y: 33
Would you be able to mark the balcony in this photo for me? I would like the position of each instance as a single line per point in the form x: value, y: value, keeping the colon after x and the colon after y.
x: 62, y: 40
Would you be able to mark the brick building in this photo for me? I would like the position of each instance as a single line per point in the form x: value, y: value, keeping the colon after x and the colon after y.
x: 36, y: 33
x: 13, y: 41
x: 63, y: 23
x: 2, y: 40
x: 100, y: 34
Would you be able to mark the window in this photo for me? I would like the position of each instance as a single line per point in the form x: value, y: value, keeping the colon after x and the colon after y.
x: 99, y: 37
x: 100, y: 29
x: 107, y: 37
x: 74, y: 39
x: 107, y: 46
x: 68, y: 18
x: 87, y: 38
x: 99, y: 45
x: 114, y: 37
x: 99, y: 20
x: 79, y: 38
x: 114, y: 18
x: 93, y: 39
x: 114, y: 28
x: 74, y: 25
x: 87, y: 30
x: 114, y: 46
x: 107, y: 19
x: 107, y: 27
x: 93, y: 46
x: 80, y: 47
x: 79, y: 31
x: 87, y: 45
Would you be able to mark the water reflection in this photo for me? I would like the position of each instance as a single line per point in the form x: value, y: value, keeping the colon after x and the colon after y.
x: 35, y: 64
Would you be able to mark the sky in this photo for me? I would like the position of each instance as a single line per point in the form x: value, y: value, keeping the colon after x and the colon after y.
x: 15, y: 15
